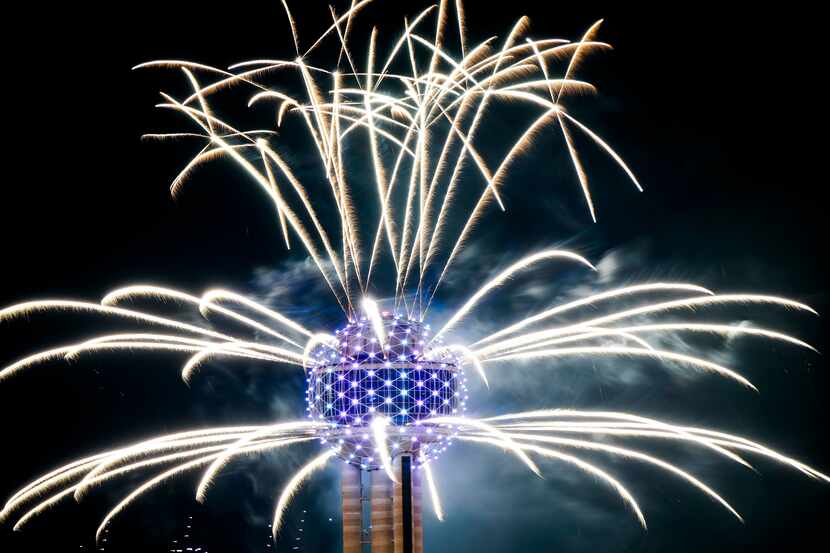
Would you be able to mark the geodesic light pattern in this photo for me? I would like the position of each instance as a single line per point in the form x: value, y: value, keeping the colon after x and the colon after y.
x: 400, y: 375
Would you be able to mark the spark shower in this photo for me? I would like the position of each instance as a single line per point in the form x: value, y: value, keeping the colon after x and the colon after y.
x: 387, y: 382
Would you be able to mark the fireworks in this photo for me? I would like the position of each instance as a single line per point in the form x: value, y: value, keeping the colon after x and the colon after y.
x: 386, y: 382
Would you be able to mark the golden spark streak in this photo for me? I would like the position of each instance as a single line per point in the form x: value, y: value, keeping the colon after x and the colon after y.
x: 577, y: 55
x: 370, y: 307
x: 632, y: 454
x: 120, y: 294
x: 459, y: 10
x: 491, y: 430
x: 68, y: 472
x: 379, y: 436
x: 576, y: 461
x: 278, y: 197
x: 433, y: 492
x: 723, y: 330
x: 634, y: 352
x: 482, y: 202
x: 293, y: 25
x: 294, y: 485
x: 639, y: 430
x: 150, y: 484
x: 342, y: 18
x: 625, y: 291
x: 212, y: 296
x: 571, y: 413
x: 686, y: 303
x: 505, y: 275
x: 209, y: 476
x: 266, y: 186
x: 53, y: 500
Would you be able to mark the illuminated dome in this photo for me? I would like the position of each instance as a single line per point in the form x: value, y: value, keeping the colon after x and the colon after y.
x: 389, y: 368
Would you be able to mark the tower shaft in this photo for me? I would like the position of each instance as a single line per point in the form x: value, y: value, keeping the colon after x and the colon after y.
x: 352, y: 509
x: 393, y: 523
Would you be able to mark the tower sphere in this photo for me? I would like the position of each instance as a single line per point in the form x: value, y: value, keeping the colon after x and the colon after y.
x: 390, y: 368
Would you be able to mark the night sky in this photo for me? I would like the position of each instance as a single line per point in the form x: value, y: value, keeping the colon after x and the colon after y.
x: 714, y: 110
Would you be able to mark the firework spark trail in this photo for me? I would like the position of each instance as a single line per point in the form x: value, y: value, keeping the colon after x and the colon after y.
x: 53, y: 500
x: 424, y: 189
x: 470, y: 354
x: 195, y: 362
x: 407, y: 223
x: 520, y: 265
x: 351, y: 240
x: 425, y: 98
x: 293, y: 486
x: 152, y: 483
x: 677, y: 433
x: 424, y: 227
x: 560, y: 413
x: 379, y: 436
x: 266, y: 186
x: 217, y: 465
x: 345, y: 33
x: 27, y: 308
x: 625, y: 291
x: 370, y: 307
x: 390, y: 188
x: 577, y: 462
x: 471, y: 220
x: 220, y: 295
x: 38, y: 488
x: 346, y: 15
x: 133, y: 455
x: 303, y: 195
x: 277, y: 195
x: 686, y: 303
x: 723, y: 330
x: 102, y: 462
x: 293, y: 25
x: 342, y: 36
x: 498, y: 435
x: 632, y: 454
x: 408, y: 28
x: 433, y: 492
x: 518, y: 28
x: 479, y: 162
x: 59, y: 472
x: 590, y: 333
x: 75, y: 349
x: 234, y: 346
x: 627, y: 351
x: 205, y: 307
x: 377, y: 163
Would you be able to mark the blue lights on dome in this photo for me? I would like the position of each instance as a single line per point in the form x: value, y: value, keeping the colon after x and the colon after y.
x: 405, y: 377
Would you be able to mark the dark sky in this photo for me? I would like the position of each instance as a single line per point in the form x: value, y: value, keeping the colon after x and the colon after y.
x: 715, y: 110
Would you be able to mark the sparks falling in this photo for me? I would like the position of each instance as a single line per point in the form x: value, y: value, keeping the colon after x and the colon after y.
x: 422, y: 106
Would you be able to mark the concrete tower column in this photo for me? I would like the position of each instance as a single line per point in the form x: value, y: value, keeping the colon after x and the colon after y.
x: 406, y: 501
x: 395, y: 514
x: 417, y: 515
x: 352, y: 509
x: 381, y: 507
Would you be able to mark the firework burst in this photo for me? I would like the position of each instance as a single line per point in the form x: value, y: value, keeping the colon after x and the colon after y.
x: 387, y: 382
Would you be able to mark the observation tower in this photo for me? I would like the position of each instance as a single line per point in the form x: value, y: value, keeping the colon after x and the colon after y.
x: 376, y: 384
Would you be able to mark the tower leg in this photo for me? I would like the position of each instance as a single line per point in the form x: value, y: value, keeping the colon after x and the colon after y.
x: 406, y: 501
x: 382, y: 513
x: 417, y: 520
x: 352, y: 509
x: 395, y: 510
